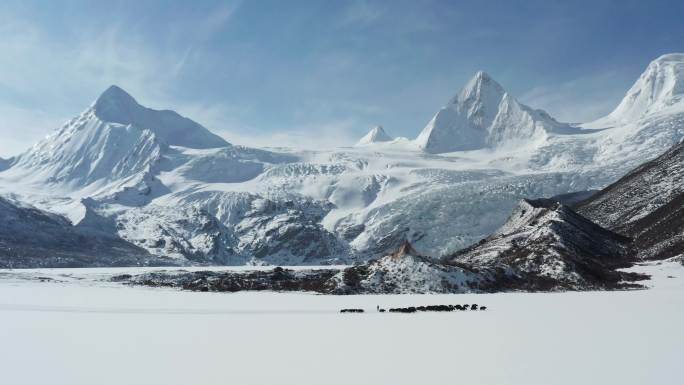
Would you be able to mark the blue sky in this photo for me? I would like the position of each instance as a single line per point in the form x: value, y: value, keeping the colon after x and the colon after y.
x: 319, y: 73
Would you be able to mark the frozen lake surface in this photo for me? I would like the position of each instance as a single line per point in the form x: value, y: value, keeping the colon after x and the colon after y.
x: 76, y: 329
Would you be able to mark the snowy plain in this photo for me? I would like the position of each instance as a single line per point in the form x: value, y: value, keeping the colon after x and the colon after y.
x: 83, y: 330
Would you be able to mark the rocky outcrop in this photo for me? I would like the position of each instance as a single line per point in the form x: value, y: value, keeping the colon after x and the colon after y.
x: 545, y: 245
x: 647, y: 204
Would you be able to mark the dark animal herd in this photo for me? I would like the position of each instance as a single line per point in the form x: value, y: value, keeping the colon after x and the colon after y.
x: 414, y: 309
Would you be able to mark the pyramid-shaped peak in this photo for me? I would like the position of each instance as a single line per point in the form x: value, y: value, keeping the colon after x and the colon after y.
x: 481, y: 86
x: 115, y: 94
x: 484, y: 115
x: 480, y: 97
x: 482, y: 75
x: 117, y: 106
x: 375, y: 135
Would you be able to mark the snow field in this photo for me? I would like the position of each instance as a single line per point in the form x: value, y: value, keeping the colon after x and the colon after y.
x: 84, y: 332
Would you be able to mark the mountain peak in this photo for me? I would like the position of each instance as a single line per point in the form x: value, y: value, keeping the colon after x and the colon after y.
x: 115, y: 103
x: 484, y: 115
x: 117, y: 106
x: 376, y: 134
x: 115, y: 92
x: 480, y: 89
x: 670, y: 57
x: 659, y: 87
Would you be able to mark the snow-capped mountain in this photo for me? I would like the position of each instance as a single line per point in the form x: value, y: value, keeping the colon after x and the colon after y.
x: 646, y: 204
x: 117, y: 106
x: 545, y: 244
x: 484, y: 115
x: 375, y: 135
x: 113, y: 140
x: 169, y: 186
x: 658, y: 90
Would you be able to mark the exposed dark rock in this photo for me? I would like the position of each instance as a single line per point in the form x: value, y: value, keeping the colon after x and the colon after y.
x: 647, y: 204
x: 573, y: 198
x: 546, y: 246
x: 31, y: 238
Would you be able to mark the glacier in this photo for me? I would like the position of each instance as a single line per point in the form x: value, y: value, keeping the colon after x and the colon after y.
x: 170, y: 186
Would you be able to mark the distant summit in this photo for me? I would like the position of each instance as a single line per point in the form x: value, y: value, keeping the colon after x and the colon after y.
x: 114, y: 139
x: 484, y: 115
x: 117, y: 106
x: 375, y: 135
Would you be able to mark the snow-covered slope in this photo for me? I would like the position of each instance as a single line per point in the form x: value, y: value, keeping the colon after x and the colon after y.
x: 175, y: 191
x: 484, y: 115
x: 647, y: 204
x: 33, y: 238
x: 405, y: 271
x: 545, y: 244
x: 375, y: 135
x: 659, y: 89
x: 117, y: 106
x: 114, y: 139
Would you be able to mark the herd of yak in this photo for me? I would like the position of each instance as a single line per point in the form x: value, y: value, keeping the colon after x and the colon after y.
x: 413, y: 309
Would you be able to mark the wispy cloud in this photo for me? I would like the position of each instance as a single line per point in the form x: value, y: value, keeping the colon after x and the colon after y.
x: 578, y: 100
x: 226, y: 120
x: 42, y: 77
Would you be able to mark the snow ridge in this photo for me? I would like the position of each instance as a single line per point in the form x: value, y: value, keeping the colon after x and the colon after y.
x: 545, y: 240
x: 660, y: 87
x: 116, y: 106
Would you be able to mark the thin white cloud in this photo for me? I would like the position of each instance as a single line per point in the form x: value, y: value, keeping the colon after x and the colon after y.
x: 221, y: 119
x: 42, y: 77
x: 578, y: 100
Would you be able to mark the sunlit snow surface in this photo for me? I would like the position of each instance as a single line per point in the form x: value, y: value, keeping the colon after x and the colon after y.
x: 85, y: 331
x: 195, y: 198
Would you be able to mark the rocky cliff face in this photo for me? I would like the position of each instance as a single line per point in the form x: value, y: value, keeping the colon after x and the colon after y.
x: 547, y: 246
x: 647, y: 204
